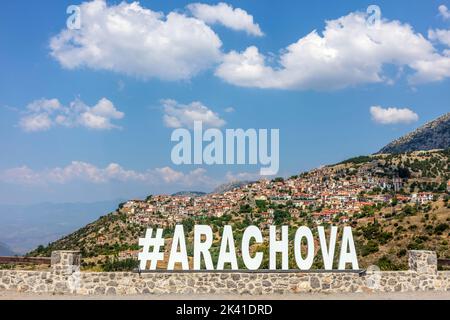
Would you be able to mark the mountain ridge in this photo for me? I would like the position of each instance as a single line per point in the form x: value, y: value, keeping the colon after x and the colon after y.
x: 431, y: 136
x: 230, y: 186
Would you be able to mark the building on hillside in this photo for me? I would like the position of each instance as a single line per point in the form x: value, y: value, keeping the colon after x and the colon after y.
x: 422, y: 197
x: 397, y: 184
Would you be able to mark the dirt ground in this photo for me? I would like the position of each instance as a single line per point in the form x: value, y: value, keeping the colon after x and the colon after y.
x: 343, y: 296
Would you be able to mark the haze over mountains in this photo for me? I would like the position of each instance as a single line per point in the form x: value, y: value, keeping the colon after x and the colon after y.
x: 5, y: 250
x: 24, y: 227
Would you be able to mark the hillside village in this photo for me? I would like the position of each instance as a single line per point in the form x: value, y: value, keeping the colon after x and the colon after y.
x: 334, y: 193
x: 393, y: 202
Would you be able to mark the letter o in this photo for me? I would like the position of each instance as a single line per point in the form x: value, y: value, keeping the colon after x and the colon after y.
x: 304, y: 264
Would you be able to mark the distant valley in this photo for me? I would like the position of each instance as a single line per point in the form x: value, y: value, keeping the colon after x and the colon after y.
x: 24, y: 227
x: 5, y: 250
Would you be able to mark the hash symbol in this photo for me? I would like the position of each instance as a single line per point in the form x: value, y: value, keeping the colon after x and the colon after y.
x: 155, y: 255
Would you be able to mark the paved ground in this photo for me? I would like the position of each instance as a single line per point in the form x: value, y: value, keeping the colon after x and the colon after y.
x: 343, y: 296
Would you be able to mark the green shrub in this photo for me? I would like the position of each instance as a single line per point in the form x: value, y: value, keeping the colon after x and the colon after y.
x: 369, y: 248
x: 120, y: 265
x: 401, y: 253
x: 441, y: 228
x: 385, y: 264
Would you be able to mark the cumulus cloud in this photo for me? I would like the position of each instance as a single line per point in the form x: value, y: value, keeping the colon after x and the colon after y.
x: 43, y: 114
x: 444, y: 12
x: 439, y: 35
x: 194, y: 177
x: 393, y: 115
x: 347, y: 53
x: 36, y: 122
x: 224, y: 14
x: 86, y: 172
x: 130, y: 39
x: 177, y: 46
x: 37, y: 117
x: 178, y: 115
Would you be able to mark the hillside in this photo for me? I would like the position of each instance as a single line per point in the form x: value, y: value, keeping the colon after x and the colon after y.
x: 393, y: 202
x: 433, y: 135
x: 230, y: 186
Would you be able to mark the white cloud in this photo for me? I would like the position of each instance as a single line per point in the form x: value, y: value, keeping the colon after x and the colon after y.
x: 224, y: 14
x: 36, y: 122
x: 348, y: 53
x: 37, y: 117
x: 20, y: 175
x: 83, y: 171
x: 442, y: 36
x: 169, y: 175
x: 44, y: 105
x: 130, y: 39
x: 229, y: 110
x: 99, y: 116
x: 195, y: 177
x: 177, y: 46
x: 86, y: 172
x: 43, y: 114
x: 444, y: 12
x: 178, y: 115
x: 393, y: 115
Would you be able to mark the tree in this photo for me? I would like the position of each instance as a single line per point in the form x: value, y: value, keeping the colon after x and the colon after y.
x: 404, y: 173
x: 394, y: 201
x: 188, y: 225
x: 280, y: 216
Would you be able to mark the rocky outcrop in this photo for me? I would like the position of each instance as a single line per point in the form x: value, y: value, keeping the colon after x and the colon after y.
x: 433, y: 135
x: 230, y: 186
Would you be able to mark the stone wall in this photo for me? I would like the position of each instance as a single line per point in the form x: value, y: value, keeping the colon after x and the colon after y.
x: 65, y: 277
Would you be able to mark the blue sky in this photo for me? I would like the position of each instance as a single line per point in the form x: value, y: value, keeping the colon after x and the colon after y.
x: 323, y: 109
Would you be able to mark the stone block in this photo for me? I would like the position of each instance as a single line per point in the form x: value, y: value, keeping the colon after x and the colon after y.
x: 65, y: 262
x: 421, y: 261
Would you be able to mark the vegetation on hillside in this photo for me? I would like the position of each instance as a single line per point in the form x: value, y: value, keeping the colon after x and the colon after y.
x: 383, y: 232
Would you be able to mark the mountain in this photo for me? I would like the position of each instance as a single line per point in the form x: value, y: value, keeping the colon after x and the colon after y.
x: 189, y: 194
x: 385, y: 224
x: 24, y: 227
x: 432, y: 135
x: 5, y: 250
x: 230, y: 186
